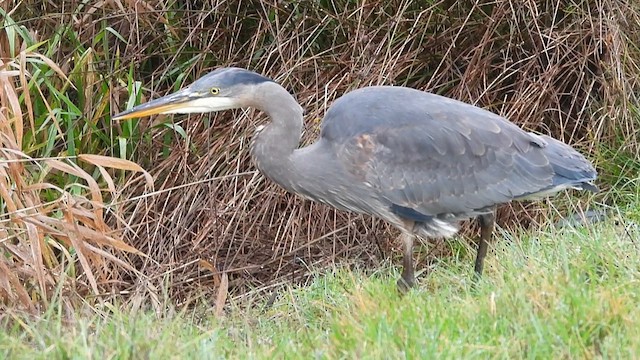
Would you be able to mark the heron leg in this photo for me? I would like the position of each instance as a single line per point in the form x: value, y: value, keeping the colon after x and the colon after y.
x: 487, y: 223
x: 407, y: 279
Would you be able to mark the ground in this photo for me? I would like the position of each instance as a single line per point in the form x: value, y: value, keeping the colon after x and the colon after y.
x: 553, y: 293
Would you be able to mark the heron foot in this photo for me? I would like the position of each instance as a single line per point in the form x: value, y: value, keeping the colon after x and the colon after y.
x: 405, y: 284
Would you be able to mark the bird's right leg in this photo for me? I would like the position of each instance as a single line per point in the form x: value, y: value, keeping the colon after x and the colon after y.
x: 487, y: 223
x: 407, y: 279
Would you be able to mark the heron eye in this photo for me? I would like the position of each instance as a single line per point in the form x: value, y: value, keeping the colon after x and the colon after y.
x: 214, y: 91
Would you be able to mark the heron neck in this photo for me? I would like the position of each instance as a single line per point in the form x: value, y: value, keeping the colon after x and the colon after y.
x: 274, y: 145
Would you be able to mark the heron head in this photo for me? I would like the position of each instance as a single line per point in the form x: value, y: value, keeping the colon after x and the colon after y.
x: 222, y: 89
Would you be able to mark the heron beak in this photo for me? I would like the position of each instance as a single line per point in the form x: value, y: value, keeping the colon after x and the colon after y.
x: 163, y: 105
x: 182, y: 102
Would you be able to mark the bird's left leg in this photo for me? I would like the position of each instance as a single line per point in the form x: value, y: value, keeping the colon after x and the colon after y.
x: 407, y: 279
x: 487, y: 223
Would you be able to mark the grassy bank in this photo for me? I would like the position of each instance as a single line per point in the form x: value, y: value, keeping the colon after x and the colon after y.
x: 569, y: 293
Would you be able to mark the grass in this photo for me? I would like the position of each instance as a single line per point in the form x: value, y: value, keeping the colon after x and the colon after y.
x: 569, y: 293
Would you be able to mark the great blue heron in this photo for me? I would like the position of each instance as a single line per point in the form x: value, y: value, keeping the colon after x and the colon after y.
x: 420, y: 161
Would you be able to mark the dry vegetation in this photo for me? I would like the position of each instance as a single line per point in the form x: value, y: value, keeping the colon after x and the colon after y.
x: 211, y: 223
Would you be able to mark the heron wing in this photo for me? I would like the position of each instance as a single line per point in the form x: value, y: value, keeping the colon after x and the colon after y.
x: 444, y: 158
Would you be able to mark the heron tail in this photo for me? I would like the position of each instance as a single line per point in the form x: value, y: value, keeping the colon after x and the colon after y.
x: 571, y: 169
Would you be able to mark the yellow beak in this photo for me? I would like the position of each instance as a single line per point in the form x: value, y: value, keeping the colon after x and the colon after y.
x: 172, y: 103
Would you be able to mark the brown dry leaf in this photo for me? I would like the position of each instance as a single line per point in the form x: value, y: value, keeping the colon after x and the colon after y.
x: 96, y: 195
x: 53, y: 66
x: 69, y: 169
x: 85, y: 217
x: 10, y: 144
x: 116, y: 163
x: 76, y: 239
x: 221, y: 297
x: 141, y: 6
x: 88, y: 12
x: 36, y: 256
x: 10, y: 94
x: 112, y: 258
x: 27, y: 95
x: 21, y: 292
x: 105, y: 175
x: 216, y: 274
x: 5, y: 129
x: 107, y: 240
x: 5, y: 193
x: 85, y: 232
x: 4, y: 281
x: 43, y: 186
x: 8, y: 73
x: 48, y: 227
x: 16, y: 174
x: 22, y: 254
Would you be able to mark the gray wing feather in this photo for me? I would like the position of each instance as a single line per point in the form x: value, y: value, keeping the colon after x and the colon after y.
x: 447, y: 177
x: 433, y: 155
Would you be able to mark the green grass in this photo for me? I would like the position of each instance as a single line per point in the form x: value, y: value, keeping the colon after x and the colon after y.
x: 555, y: 294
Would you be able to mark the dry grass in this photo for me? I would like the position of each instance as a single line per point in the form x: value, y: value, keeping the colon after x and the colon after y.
x: 568, y: 68
x: 42, y: 223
